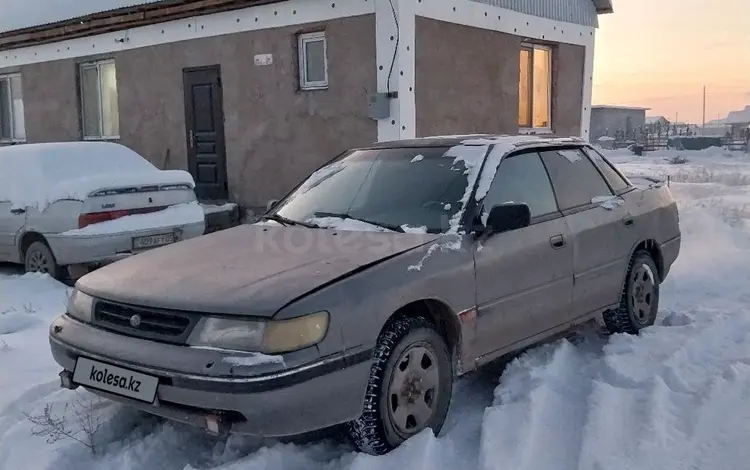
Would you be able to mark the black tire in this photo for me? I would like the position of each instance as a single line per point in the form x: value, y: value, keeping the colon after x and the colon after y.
x: 377, y: 431
x: 639, y: 302
x: 39, y: 258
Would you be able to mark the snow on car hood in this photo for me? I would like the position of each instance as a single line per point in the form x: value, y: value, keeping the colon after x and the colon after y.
x: 251, y: 269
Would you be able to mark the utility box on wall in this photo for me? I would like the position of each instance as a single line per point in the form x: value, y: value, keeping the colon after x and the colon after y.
x: 378, y: 106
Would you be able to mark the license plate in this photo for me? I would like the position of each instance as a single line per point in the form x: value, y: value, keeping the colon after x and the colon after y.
x: 117, y: 380
x: 152, y: 241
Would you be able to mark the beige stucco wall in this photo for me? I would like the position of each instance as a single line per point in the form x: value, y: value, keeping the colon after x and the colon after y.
x: 275, y: 134
x: 467, y: 81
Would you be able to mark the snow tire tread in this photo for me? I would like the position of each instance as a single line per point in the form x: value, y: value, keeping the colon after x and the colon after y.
x: 367, y: 431
x: 618, y: 320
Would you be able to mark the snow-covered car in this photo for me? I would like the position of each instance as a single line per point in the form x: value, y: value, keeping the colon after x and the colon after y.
x: 370, y: 287
x: 84, y: 204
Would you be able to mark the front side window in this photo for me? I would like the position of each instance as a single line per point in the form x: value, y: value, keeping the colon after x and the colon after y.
x: 12, y: 125
x: 313, y: 61
x: 574, y: 177
x: 535, y: 88
x: 400, y: 187
x: 99, y: 105
x: 616, y: 181
x: 522, y: 179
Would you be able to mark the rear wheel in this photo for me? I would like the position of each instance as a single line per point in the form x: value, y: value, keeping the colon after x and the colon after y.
x: 410, y: 386
x: 39, y: 258
x: 639, y: 301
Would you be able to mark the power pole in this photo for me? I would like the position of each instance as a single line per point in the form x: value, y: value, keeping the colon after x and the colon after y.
x: 704, y: 107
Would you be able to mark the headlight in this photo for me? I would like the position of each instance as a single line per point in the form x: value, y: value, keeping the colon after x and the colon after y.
x: 270, y: 337
x: 80, y: 306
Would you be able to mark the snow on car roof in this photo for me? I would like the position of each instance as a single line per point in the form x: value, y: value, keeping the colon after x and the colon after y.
x: 35, y: 175
x: 479, y: 139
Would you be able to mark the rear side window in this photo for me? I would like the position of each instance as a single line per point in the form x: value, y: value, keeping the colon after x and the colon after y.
x: 522, y: 179
x: 613, y: 177
x: 574, y: 177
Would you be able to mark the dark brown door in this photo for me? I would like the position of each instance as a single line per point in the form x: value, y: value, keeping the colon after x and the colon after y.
x: 204, y: 122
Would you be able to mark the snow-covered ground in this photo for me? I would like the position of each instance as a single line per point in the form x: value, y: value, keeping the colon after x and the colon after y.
x: 676, y: 397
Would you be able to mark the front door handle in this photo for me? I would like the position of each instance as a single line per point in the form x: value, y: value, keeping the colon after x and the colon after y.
x: 629, y: 222
x: 18, y: 211
x: 557, y: 241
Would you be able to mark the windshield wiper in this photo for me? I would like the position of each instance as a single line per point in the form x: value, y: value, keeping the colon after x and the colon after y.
x: 395, y: 228
x: 285, y: 221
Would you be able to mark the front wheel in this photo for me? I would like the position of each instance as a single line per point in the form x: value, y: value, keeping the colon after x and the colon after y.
x: 639, y: 302
x: 410, y: 386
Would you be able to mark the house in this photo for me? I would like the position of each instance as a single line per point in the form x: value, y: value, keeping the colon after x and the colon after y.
x: 616, y: 121
x: 739, y: 122
x: 252, y: 95
x: 657, y: 121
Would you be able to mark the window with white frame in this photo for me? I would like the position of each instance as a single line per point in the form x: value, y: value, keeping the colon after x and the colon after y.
x: 99, y: 110
x: 313, y: 61
x: 535, y: 88
x: 12, y: 126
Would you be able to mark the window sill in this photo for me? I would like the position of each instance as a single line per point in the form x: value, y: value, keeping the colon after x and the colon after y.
x: 313, y: 87
x: 12, y: 142
x: 535, y: 131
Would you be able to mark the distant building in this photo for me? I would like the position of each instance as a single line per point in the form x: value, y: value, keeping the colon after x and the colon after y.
x: 616, y: 121
x: 657, y: 121
x: 739, y: 121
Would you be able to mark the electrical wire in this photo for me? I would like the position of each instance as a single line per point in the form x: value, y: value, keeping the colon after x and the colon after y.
x: 395, y: 49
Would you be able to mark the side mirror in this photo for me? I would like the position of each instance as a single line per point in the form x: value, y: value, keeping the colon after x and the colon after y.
x: 271, y: 203
x: 507, y: 217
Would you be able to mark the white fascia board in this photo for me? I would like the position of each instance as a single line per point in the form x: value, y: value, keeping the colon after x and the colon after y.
x: 275, y: 15
x: 480, y: 15
x: 395, y: 46
x: 588, y: 90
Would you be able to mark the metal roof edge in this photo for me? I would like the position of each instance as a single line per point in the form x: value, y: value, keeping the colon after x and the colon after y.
x: 603, y: 6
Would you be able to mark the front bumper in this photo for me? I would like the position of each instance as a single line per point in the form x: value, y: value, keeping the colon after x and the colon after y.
x: 286, y: 402
x: 90, y: 249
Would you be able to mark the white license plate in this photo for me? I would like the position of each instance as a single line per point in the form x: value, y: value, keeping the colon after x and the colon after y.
x: 152, y: 241
x: 115, y: 380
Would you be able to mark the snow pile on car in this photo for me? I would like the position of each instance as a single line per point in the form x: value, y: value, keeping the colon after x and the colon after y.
x: 173, y: 216
x: 36, y: 175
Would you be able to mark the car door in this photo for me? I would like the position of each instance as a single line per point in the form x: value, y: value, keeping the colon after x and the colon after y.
x: 621, y: 187
x: 524, y: 278
x: 11, y: 223
x: 598, y: 222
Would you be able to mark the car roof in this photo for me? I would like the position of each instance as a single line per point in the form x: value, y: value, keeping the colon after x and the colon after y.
x: 515, y: 141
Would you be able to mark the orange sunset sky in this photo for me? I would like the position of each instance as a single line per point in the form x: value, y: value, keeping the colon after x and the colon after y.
x: 660, y: 53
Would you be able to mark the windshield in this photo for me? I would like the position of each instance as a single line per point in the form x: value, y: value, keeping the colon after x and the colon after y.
x: 416, y: 189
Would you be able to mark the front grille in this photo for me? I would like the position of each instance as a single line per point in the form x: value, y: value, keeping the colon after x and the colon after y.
x: 143, y: 322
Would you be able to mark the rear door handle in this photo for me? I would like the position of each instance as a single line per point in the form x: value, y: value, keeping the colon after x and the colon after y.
x: 557, y: 241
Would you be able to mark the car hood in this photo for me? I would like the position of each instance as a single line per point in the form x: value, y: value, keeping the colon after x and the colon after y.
x: 247, y: 270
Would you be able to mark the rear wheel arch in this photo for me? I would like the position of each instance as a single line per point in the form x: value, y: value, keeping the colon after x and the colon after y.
x: 651, y: 247
x: 25, y: 241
